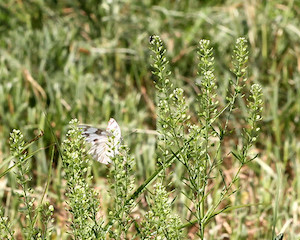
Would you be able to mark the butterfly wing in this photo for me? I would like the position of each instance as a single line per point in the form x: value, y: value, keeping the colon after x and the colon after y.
x: 114, y: 128
x: 98, y: 139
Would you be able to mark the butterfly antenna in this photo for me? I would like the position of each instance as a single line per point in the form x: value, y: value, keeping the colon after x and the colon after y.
x: 132, y: 132
x: 142, y: 131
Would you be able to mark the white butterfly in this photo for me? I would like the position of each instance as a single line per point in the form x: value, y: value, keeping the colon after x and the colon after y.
x: 99, y: 140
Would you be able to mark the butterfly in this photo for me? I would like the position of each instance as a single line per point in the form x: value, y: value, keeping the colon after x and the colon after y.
x: 99, y: 140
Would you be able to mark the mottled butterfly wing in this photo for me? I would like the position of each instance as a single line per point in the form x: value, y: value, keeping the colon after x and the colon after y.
x: 99, y: 140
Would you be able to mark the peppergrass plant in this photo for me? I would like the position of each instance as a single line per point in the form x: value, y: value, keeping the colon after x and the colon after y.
x: 194, y: 141
x: 82, y: 199
x: 29, y: 210
x: 121, y: 185
x: 5, y: 226
x: 159, y: 221
x: 23, y: 178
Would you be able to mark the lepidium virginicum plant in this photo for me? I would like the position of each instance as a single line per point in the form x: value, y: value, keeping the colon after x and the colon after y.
x: 121, y: 181
x: 251, y: 131
x: 160, y: 222
x: 194, y: 144
x: 17, y: 144
x: 30, y: 209
x: 171, y: 106
x: 82, y: 199
x: 6, y: 231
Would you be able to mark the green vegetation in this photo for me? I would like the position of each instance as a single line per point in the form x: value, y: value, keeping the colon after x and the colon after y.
x: 90, y: 60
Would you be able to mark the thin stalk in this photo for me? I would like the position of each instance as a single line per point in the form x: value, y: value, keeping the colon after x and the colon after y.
x: 209, y: 213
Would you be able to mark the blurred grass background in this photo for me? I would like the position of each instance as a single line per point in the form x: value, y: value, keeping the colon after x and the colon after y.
x: 90, y: 60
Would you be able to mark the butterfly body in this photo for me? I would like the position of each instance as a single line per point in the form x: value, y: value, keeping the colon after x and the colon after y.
x: 99, y: 140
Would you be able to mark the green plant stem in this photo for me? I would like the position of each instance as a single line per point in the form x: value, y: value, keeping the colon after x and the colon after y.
x: 205, y: 171
x: 26, y: 198
x: 209, y: 213
x: 231, y: 104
